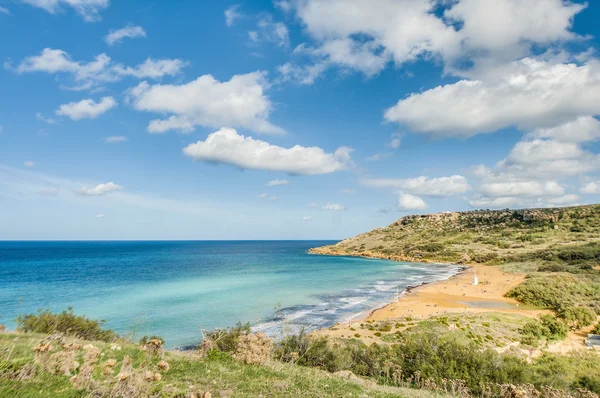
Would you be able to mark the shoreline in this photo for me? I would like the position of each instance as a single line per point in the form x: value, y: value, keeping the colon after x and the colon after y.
x: 413, y: 288
x: 456, y: 294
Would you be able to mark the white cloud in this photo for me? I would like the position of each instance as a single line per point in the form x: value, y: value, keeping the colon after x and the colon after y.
x: 582, y: 129
x: 226, y: 146
x: 307, y: 218
x: 305, y: 74
x: 131, y: 32
x: 88, y: 9
x: 99, y: 215
x: 86, y: 75
x: 333, y: 207
x: 526, y: 94
x: 312, y: 204
x: 536, y: 151
x: 271, y: 31
x: 115, y: 139
x: 232, y: 14
x: 152, y: 68
x: 355, y: 34
x: 29, y: 163
x: 277, y: 182
x: 4, y: 10
x: 41, y: 117
x: 407, y: 201
x: 348, y: 191
x: 239, y: 102
x: 100, y: 189
x: 521, y: 189
x: 565, y: 200
x: 592, y: 187
x: 442, y: 186
x: 283, y: 5
x: 87, y: 108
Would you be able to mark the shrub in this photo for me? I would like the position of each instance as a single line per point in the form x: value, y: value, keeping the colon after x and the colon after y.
x: 555, y: 329
x: 254, y: 348
x: 66, y: 322
x: 226, y: 340
x: 577, y: 317
x: 596, y: 329
x: 529, y: 340
x: 534, y: 329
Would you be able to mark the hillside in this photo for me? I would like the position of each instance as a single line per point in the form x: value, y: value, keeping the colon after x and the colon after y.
x: 528, y: 237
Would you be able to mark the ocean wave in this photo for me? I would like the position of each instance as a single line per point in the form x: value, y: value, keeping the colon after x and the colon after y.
x: 350, y: 304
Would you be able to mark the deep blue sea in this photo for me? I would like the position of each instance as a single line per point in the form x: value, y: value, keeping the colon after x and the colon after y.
x: 172, y: 289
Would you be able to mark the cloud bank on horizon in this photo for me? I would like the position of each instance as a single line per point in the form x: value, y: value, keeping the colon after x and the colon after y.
x: 425, y: 105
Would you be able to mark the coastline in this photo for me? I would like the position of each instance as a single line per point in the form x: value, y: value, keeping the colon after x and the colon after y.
x: 456, y: 294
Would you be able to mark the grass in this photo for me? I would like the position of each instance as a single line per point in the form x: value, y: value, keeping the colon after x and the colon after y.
x: 188, y: 372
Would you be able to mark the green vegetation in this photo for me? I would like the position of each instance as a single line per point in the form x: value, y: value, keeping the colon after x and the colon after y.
x: 25, y: 373
x: 559, y: 248
x: 548, y: 328
x: 67, y: 323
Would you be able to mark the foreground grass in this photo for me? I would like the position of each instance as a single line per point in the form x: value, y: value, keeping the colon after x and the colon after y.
x: 188, y: 373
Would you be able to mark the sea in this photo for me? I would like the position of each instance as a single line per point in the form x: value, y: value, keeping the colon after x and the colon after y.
x: 174, y: 289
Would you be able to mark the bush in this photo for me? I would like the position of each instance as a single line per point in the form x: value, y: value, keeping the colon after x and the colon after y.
x: 596, y: 329
x: 254, y: 349
x: 226, y: 340
x: 577, y: 317
x: 66, y: 322
x: 547, y: 327
x: 555, y: 329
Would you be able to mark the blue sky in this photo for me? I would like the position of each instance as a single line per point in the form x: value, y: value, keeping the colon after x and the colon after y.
x: 299, y: 119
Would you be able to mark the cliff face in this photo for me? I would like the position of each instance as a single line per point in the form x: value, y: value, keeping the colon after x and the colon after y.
x: 480, y: 236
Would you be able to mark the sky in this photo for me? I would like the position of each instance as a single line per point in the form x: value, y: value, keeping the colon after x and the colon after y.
x: 290, y: 119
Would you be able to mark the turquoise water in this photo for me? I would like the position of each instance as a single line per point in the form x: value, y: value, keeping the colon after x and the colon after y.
x: 172, y: 289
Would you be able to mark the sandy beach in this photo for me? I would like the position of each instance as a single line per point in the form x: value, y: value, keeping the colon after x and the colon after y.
x: 454, y: 295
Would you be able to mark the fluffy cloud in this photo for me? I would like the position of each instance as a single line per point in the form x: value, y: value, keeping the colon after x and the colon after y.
x: 582, y: 129
x: 4, y: 10
x: 526, y: 94
x: 115, y: 139
x: 355, y: 34
x: 87, y: 108
x: 100, y: 189
x: 536, y: 151
x: 226, y: 146
x: 407, y: 201
x: 592, y: 187
x: 131, y: 32
x: 307, y: 218
x: 29, y: 164
x: 101, y: 70
x: 239, y: 102
x: 88, y: 9
x: 277, y: 182
x: 442, y: 186
x: 333, y: 207
x: 99, y: 215
x: 232, y: 14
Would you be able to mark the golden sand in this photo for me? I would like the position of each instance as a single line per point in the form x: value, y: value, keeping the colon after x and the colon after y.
x: 454, y: 295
